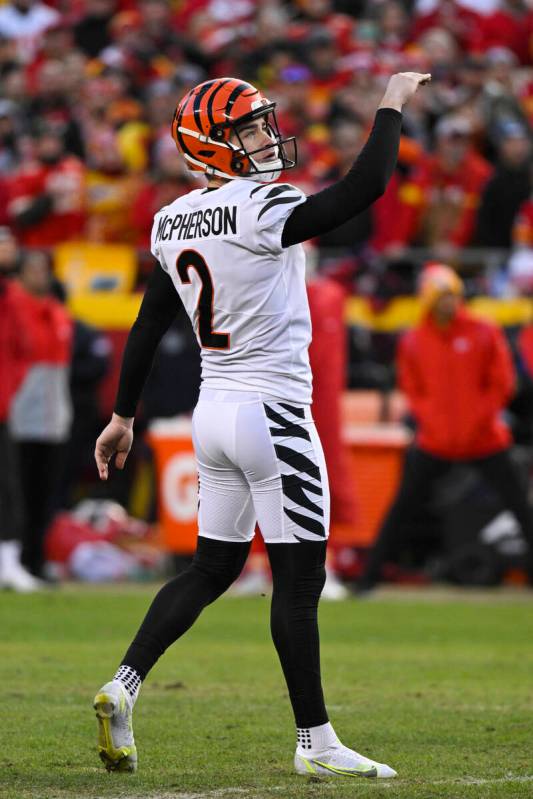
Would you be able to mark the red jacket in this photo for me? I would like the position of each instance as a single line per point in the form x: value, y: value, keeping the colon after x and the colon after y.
x: 41, y: 409
x: 503, y: 28
x: 463, y: 23
x: 51, y: 330
x: 438, y: 205
x: 457, y: 381
x: 65, y: 183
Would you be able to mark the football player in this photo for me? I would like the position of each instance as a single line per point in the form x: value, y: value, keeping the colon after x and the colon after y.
x: 231, y: 254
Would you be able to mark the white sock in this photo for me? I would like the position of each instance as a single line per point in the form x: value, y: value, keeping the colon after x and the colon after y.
x: 316, y: 739
x: 131, y: 681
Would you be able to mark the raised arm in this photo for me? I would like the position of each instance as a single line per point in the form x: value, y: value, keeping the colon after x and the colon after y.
x: 159, y: 307
x: 367, y: 179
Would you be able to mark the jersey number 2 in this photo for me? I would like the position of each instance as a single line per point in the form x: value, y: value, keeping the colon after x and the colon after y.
x: 209, y: 338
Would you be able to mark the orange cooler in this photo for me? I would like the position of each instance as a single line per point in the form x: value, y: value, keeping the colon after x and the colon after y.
x: 177, y: 483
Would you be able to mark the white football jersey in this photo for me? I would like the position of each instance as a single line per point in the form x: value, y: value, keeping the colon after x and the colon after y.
x: 244, y: 293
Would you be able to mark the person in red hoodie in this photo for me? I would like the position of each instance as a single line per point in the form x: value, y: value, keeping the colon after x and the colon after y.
x: 437, y: 204
x: 41, y: 410
x: 13, y: 357
x: 457, y: 373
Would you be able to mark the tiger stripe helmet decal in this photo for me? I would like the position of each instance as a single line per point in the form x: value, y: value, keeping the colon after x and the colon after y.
x: 206, y: 125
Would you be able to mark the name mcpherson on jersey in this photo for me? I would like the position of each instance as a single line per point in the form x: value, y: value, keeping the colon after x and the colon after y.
x: 244, y: 293
x: 200, y: 224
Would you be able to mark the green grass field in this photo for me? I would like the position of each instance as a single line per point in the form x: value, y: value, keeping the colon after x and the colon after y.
x: 439, y: 686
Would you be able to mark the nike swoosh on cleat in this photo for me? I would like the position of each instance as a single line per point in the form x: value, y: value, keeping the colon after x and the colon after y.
x: 369, y: 771
x: 308, y: 765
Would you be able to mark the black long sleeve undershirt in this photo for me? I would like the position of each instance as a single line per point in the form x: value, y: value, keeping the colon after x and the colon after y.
x: 320, y: 213
x: 358, y: 189
x: 161, y: 304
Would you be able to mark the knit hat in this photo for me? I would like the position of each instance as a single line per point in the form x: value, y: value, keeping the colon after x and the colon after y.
x: 437, y: 279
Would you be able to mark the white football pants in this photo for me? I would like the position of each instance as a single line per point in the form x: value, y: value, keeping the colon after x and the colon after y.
x: 259, y: 460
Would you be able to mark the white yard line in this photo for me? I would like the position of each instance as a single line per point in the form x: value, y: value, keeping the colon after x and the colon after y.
x: 220, y: 793
x: 482, y: 781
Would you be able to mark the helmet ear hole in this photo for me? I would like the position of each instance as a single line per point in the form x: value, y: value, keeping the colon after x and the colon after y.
x: 216, y: 133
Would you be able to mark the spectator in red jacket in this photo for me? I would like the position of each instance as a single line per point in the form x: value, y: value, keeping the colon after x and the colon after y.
x: 47, y: 196
x: 463, y: 23
x: 457, y: 373
x: 13, y: 356
x: 438, y: 204
x: 41, y: 410
x: 506, y: 26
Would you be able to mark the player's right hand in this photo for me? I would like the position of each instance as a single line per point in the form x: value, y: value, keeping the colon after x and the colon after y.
x: 402, y: 86
x: 116, y: 438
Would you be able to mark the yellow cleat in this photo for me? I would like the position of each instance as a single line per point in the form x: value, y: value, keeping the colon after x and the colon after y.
x: 116, y: 746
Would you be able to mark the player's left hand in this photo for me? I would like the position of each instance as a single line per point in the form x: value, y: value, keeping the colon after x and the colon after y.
x: 116, y: 438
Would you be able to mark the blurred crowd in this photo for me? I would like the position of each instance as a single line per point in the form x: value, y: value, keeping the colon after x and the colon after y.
x: 88, y: 90
x: 87, y: 93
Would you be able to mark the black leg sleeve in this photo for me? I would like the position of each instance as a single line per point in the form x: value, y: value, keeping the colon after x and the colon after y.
x: 298, y: 575
x: 419, y: 472
x: 178, y: 604
x: 364, y: 184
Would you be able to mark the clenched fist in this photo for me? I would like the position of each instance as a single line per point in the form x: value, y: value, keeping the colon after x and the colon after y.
x: 401, y: 88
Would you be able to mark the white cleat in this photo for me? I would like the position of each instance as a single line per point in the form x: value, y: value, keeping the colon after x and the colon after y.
x: 339, y: 761
x: 13, y: 575
x: 116, y: 746
x: 21, y: 581
x: 333, y: 590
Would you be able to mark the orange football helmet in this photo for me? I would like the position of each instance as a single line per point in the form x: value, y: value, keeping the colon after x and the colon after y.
x: 207, y: 116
